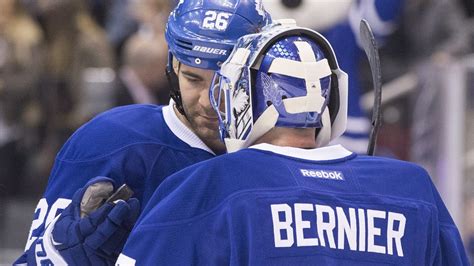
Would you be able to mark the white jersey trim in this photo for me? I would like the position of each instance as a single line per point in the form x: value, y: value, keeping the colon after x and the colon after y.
x: 356, y: 145
x: 181, y: 130
x: 319, y: 154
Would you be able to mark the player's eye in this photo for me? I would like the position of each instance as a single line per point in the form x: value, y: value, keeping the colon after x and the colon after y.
x: 192, y: 78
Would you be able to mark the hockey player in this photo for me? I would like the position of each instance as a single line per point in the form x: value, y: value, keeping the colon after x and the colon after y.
x: 139, y: 145
x: 383, y: 16
x: 289, y: 199
x: 338, y: 21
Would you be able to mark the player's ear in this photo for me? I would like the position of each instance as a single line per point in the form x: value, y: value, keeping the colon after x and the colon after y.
x: 176, y: 65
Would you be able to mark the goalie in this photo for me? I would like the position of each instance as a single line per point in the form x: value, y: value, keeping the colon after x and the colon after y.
x: 284, y: 197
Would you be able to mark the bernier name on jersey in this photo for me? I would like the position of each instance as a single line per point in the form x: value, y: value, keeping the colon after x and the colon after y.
x: 364, y: 230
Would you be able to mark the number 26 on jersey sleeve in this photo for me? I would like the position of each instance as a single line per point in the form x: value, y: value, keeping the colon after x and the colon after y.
x: 45, y: 215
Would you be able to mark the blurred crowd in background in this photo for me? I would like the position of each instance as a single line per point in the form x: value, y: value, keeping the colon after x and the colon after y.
x: 64, y: 61
x: 61, y: 63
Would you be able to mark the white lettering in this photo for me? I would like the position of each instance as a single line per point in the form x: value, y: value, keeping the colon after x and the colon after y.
x: 374, y: 231
x: 334, y: 175
x: 279, y: 225
x: 346, y: 228
x: 209, y: 50
x: 42, y: 208
x: 360, y: 228
x: 393, y: 234
x: 42, y: 220
x: 58, y: 206
x: 216, y: 20
x: 300, y: 224
x: 327, y: 227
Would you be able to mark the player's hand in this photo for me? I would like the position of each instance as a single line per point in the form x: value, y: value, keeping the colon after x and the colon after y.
x: 91, y: 231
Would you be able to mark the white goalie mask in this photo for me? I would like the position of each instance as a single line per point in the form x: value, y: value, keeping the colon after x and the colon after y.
x: 284, y: 76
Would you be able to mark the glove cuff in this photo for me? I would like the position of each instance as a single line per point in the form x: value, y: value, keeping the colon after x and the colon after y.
x: 48, y: 244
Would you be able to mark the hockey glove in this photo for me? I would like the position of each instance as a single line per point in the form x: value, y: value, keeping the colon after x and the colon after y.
x: 92, y: 231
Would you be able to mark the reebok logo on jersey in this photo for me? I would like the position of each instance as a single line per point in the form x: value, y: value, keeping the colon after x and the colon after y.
x: 333, y: 175
x: 209, y: 50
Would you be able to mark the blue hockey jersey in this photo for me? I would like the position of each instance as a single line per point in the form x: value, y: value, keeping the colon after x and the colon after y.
x: 270, y: 205
x: 139, y: 145
x: 382, y: 16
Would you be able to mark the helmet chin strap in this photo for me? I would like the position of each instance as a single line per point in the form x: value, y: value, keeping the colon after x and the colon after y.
x: 172, y: 69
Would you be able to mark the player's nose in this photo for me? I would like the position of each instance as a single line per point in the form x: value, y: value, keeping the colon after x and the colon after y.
x: 204, y: 98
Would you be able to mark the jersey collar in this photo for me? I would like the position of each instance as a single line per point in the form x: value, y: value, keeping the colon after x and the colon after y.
x: 319, y: 154
x: 181, y: 130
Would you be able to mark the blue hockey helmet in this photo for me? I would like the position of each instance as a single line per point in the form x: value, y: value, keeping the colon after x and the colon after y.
x: 202, y: 33
x: 285, y: 76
